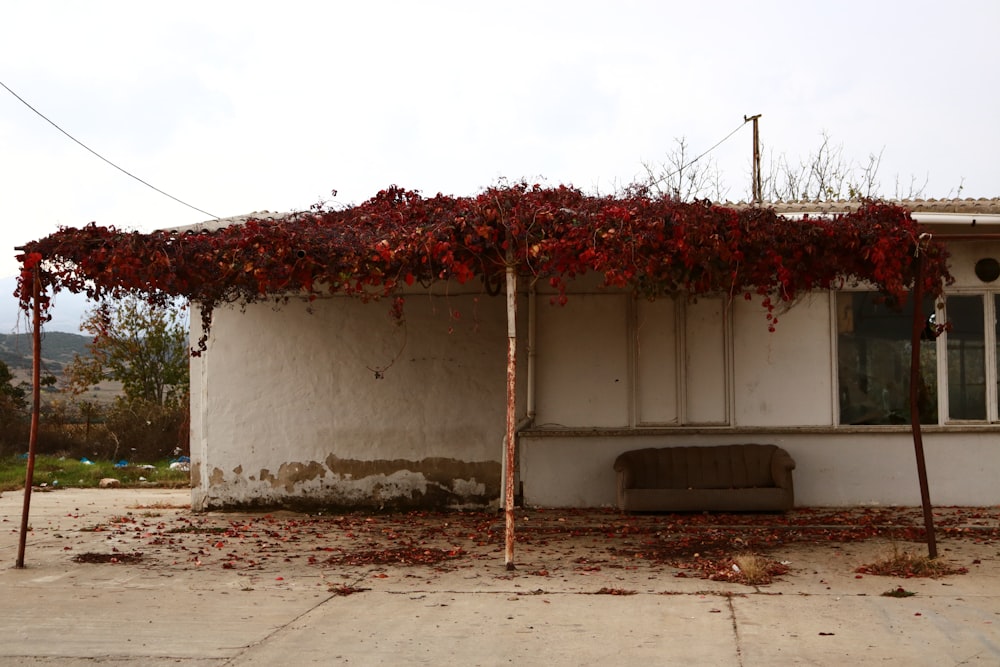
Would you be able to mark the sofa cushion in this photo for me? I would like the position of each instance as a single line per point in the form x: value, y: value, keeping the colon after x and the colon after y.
x: 706, y: 500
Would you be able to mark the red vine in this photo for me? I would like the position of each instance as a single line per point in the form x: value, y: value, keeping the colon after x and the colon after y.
x: 652, y: 245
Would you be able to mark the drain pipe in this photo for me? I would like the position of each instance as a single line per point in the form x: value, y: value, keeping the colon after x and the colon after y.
x: 529, y: 417
x: 530, y: 390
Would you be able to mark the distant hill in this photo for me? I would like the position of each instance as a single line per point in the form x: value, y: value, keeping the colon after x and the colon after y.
x: 58, y: 349
x: 67, y: 311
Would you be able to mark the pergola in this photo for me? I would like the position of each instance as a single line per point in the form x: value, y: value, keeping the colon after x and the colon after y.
x: 651, y: 245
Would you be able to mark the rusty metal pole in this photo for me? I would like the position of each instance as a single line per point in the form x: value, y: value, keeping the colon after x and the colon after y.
x: 510, y: 442
x: 36, y: 365
x: 918, y: 444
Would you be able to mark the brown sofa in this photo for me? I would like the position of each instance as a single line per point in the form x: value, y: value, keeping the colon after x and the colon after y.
x: 728, y: 478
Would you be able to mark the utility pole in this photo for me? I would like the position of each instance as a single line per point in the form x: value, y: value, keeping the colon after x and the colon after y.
x: 36, y: 402
x: 755, y: 185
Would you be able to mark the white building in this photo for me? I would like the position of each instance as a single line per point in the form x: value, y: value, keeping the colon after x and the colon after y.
x: 335, y: 403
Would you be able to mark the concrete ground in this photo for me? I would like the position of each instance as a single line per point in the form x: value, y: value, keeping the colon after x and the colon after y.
x: 134, y: 577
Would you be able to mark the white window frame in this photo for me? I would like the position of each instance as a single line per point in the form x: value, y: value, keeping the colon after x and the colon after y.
x: 990, y: 361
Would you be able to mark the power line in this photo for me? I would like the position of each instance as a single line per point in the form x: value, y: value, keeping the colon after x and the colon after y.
x: 89, y: 149
x: 717, y: 144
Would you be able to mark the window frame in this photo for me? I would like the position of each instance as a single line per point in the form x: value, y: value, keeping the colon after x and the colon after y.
x: 989, y: 298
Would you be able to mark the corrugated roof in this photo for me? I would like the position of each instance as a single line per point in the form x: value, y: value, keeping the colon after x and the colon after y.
x: 944, y: 206
x: 219, y: 223
x: 931, y: 207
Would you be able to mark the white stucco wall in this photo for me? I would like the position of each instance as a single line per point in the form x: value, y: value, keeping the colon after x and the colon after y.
x: 338, y: 403
x: 784, y: 377
x: 832, y: 469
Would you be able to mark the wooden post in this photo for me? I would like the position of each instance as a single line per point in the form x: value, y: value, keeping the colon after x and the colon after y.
x: 36, y: 365
x: 755, y: 184
x: 918, y: 444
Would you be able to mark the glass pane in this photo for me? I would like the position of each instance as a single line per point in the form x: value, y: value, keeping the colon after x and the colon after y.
x: 966, y: 358
x: 873, y: 357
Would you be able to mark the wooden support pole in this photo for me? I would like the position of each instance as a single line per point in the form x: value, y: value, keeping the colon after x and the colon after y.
x: 918, y: 445
x: 36, y: 365
x: 510, y: 441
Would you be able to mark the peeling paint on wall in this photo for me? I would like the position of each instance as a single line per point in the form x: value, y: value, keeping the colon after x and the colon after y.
x: 291, y: 474
x: 437, y: 470
x: 435, y: 482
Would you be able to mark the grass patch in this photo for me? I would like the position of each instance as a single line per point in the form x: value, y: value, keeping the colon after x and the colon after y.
x: 755, y: 570
x: 896, y: 563
x: 746, y: 568
x: 55, y: 471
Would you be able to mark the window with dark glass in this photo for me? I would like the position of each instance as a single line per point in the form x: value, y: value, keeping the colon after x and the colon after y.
x: 873, y: 356
x: 966, y: 338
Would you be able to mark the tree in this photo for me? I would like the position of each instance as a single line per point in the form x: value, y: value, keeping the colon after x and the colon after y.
x: 13, y: 403
x: 12, y: 397
x: 684, y: 178
x: 142, y: 346
x: 824, y: 174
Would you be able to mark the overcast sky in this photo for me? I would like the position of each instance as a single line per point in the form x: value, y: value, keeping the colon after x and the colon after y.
x: 244, y: 106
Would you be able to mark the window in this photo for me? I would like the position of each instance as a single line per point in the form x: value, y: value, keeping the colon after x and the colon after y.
x: 873, y: 351
x: 966, y: 344
x: 873, y: 355
x: 973, y: 344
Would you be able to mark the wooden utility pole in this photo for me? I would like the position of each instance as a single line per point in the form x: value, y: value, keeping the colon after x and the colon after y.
x: 917, y: 294
x: 36, y: 365
x: 756, y: 184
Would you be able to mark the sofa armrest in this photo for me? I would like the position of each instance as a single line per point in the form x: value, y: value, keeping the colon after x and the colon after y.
x: 623, y: 466
x: 624, y: 478
x: 782, y: 466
